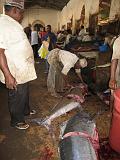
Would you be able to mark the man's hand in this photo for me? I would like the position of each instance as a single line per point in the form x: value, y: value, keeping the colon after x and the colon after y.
x: 112, y: 84
x: 10, y: 82
x: 9, y: 79
x: 67, y: 86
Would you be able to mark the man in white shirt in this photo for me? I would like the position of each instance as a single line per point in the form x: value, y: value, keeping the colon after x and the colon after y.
x: 34, y: 42
x: 115, y: 66
x: 114, y: 82
x: 16, y: 62
x: 61, y: 62
x: 86, y: 37
x: 81, y: 33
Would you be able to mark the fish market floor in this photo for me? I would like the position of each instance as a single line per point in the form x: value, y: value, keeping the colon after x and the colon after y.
x: 35, y: 143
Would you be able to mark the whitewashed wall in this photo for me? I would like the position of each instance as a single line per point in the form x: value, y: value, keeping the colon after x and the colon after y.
x: 91, y: 7
x: 1, y: 5
x: 115, y: 9
x: 45, y: 16
x: 74, y: 7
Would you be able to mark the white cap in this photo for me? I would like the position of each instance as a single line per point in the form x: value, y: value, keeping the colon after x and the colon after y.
x: 15, y: 3
x: 83, y: 62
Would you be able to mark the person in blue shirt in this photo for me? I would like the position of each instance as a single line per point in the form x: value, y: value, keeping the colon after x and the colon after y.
x: 51, y: 38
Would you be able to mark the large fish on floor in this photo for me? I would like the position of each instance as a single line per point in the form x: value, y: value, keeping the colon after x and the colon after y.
x: 61, y: 111
x: 79, y: 139
x: 70, y: 101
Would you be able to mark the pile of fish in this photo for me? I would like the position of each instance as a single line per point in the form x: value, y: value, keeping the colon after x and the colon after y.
x: 79, y: 139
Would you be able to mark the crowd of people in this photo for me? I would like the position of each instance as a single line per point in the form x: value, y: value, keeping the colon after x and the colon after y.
x: 63, y: 38
x: 17, y: 53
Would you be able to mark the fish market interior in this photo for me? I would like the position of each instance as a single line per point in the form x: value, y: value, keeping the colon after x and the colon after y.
x: 59, y: 80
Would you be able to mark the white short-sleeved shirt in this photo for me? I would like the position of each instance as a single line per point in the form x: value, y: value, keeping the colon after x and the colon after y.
x: 116, y: 49
x: 68, y: 39
x: 81, y: 33
x: 18, y: 51
x: 34, y: 37
x: 116, y: 55
x: 68, y: 60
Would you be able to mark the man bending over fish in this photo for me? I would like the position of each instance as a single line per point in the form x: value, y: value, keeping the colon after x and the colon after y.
x: 61, y: 62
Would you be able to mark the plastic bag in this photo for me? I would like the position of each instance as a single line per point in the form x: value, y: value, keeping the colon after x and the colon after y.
x: 103, y: 48
x: 43, y: 51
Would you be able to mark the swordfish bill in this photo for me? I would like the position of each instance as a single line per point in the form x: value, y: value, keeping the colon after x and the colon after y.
x: 61, y: 111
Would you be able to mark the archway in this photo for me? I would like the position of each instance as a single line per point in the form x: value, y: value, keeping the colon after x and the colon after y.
x: 38, y: 24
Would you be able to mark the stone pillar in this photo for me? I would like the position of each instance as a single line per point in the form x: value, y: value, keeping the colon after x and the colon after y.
x: 73, y: 25
x: 114, y: 9
x: 1, y: 6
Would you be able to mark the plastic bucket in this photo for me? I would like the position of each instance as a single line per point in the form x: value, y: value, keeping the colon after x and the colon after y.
x: 114, y: 136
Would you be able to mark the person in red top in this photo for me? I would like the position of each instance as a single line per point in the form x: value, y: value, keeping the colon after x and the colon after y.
x: 42, y: 33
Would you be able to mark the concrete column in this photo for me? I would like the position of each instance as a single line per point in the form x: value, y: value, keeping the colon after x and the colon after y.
x: 73, y: 26
x: 1, y: 6
x: 114, y: 9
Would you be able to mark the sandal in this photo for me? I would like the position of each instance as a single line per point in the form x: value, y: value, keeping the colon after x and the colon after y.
x: 32, y: 112
x: 22, y: 125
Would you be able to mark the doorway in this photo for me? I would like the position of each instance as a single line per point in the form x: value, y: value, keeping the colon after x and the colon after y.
x: 38, y: 26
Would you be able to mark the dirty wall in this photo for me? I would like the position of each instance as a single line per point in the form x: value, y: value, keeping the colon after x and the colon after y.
x: 115, y: 9
x: 57, y: 18
x: 38, y: 15
x: 1, y: 5
x: 41, y: 16
x: 74, y: 8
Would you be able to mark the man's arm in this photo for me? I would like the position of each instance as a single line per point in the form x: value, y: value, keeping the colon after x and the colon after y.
x: 80, y: 76
x: 112, y: 82
x: 78, y: 72
x: 9, y: 79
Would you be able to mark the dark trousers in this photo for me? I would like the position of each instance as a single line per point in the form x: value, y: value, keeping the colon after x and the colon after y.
x: 18, y: 103
x: 35, y: 50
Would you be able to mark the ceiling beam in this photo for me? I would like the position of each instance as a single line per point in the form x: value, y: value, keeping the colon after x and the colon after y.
x: 53, y: 4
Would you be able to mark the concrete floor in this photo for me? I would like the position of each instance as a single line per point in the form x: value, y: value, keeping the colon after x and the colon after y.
x: 30, y: 144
